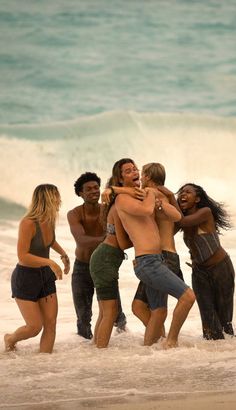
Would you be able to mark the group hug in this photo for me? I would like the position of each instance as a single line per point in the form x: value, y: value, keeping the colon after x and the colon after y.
x: 136, y: 211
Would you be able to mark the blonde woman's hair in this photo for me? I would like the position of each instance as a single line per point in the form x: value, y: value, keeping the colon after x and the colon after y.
x: 156, y: 172
x: 45, y: 204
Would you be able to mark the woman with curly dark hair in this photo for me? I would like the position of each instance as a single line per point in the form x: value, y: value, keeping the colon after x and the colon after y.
x: 212, y: 269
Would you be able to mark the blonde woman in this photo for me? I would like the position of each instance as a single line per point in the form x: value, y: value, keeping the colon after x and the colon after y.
x: 33, y: 279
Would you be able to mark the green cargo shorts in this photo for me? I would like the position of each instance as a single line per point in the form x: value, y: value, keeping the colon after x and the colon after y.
x: 104, y: 269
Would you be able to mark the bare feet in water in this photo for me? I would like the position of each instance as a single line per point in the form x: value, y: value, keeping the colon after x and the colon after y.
x: 9, y: 346
x: 169, y: 344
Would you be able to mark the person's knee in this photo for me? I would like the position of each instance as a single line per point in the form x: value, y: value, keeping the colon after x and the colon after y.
x: 35, y: 329
x: 188, y: 297
x: 138, y: 307
x: 135, y: 307
x: 163, y: 314
x: 160, y: 314
x: 50, y: 324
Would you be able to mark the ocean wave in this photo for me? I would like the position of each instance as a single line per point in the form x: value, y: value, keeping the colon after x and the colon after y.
x: 110, y: 122
x: 10, y: 210
x: 193, y: 148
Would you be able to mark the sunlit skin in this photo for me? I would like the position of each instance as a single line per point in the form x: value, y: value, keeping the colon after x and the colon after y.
x: 197, y: 220
x: 137, y: 219
x: 188, y: 199
x: 130, y: 174
x: 42, y: 313
x: 84, y: 221
x: 86, y: 226
x: 202, y: 216
x: 166, y: 229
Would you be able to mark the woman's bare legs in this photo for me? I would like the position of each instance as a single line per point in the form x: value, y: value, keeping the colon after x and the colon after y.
x: 37, y: 315
x: 49, y: 308
x: 109, y: 309
x: 33, y: 323
x: 99, y: 319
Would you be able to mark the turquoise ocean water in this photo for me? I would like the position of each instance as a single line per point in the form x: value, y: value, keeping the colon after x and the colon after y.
x: 86, y: 82
x: 82, y: 84
x: 65, y: 59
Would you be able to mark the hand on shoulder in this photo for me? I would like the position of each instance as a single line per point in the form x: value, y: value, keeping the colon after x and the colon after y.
x: 165, y: 191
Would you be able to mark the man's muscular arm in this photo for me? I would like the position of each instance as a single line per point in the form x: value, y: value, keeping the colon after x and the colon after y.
x: 135, y: 192
x: 79, y: 234
x: 138, y: 208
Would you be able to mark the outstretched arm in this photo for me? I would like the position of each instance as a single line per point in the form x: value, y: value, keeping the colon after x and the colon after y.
x: 135, y: 192
x: 200, y: 216
x: 169, y: 210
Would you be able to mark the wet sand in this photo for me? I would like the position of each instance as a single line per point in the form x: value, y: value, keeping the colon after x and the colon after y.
x: 194, y: 401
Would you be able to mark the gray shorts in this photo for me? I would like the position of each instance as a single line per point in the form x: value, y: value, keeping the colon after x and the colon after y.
x: 159, y: 280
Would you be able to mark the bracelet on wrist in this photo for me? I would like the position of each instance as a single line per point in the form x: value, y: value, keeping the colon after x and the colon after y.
x: 66, y: 257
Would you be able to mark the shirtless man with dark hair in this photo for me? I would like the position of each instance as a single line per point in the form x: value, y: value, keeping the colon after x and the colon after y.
x: 138, y: 220
x: 87, y: 229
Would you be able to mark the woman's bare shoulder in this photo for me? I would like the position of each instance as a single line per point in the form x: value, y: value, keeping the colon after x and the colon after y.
x: 27, y: 223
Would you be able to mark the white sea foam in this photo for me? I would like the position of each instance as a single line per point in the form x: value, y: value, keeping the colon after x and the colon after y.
x: 78, y: 371
x: 201, y: 151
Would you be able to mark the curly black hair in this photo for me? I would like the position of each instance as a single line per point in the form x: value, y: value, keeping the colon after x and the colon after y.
x: 86, y: 177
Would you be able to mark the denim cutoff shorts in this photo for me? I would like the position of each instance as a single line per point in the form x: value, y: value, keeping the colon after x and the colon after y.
x: 159, y: 280
x: 171, y: 259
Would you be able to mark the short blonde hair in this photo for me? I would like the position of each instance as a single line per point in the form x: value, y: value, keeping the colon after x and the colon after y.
x: 156, y: 172
x: 45, y: 204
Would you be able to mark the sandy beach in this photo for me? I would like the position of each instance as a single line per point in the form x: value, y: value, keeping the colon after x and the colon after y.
x: 218, y: 401
x: 195, y: 401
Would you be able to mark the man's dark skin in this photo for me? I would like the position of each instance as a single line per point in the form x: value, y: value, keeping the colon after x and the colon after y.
x: 88, y: 231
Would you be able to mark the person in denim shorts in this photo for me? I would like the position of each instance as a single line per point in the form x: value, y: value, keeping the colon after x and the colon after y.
x: 153, y: 175
x: 138, y: 220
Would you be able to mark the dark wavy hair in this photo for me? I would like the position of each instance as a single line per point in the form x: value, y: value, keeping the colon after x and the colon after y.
x: 86, y: 177
x: 114, y: 180
x: 221, y: 217
x: 116, y: 172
